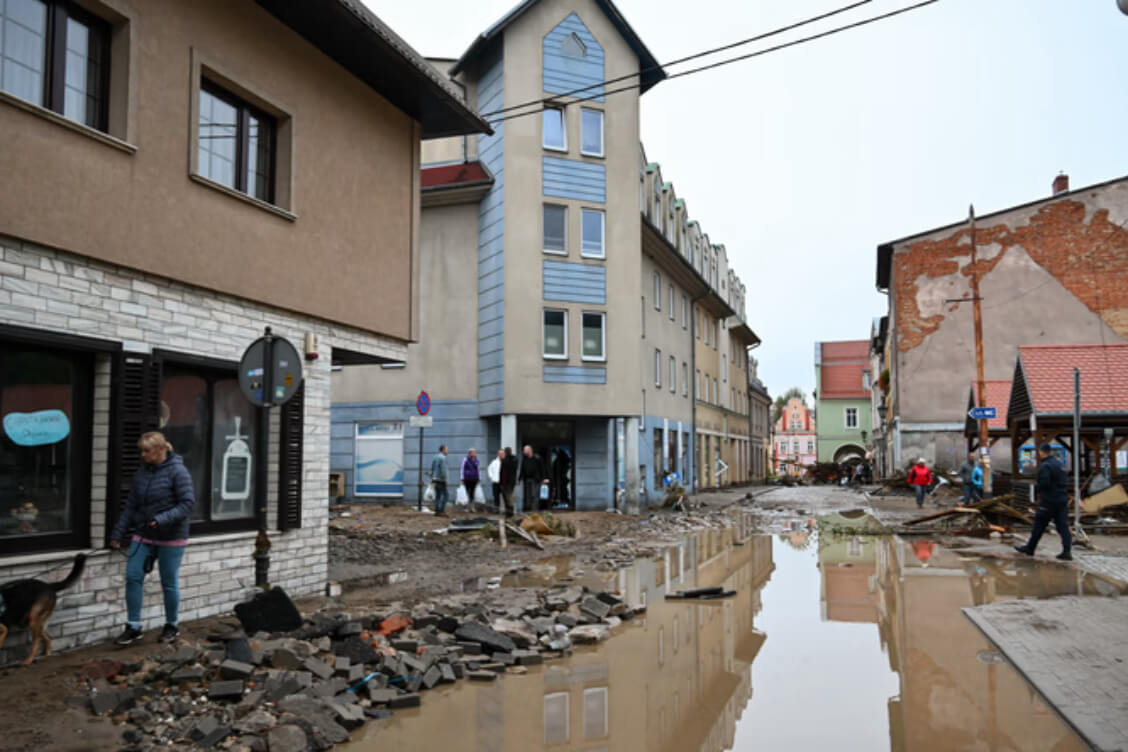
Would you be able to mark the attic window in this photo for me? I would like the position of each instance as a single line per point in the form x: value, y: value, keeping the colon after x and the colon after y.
x: 573, y: 46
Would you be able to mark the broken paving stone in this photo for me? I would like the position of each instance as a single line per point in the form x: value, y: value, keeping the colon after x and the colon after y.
x: 515, y: 630
x: 567, y: 620
x: 431, y: 677
x: 590, y: 633
x: 447, y: 624
x: 458, y: 669
x: 482, y: 676
x: 528, y: 658
x: 356, y: 650
x: 506, y: 659
x: 349, y: 716
x: 350, y: 628
x: 407, y: 646
x: 540, y: 625
x: 595, y: 607
x: 288, y: 738
x: 496, y: 666
x: 330, y: 688
x: 322, y: 644
x: 409, y: 700
x: 188, y: 674
x: 341, y: 664
x: 226, y: 690
x: 269, y: 611
x: 203, y: 727
x: 105, y: 701
x: 256, y: 722
x: 215, y: 737
x: 317, y: 715
x: 239, y: 649
x: 282, y: 688
x: 489, y: 639
x: 230, y: 669
x: 283, y: 658
x: 378, y: 714
x: 318, y: 668
x: 382, y: 696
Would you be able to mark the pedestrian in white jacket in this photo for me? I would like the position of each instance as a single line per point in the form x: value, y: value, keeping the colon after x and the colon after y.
x: 494, y: 473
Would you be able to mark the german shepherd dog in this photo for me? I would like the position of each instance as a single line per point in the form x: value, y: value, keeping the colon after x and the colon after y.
x: 29, y: 604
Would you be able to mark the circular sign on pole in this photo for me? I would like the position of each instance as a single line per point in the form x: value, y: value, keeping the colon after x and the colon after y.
x: 270, y: 371
x: 423, y: 403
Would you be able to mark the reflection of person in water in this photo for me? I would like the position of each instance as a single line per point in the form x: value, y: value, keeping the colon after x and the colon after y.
x: 923, y: 551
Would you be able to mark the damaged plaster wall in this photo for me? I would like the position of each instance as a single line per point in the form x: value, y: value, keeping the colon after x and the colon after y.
x: 1050, y: 273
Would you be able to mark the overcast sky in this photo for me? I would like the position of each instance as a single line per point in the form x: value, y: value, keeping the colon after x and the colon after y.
x: 802, y: 161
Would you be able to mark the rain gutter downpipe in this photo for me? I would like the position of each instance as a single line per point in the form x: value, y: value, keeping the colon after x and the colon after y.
x: 693, y: 368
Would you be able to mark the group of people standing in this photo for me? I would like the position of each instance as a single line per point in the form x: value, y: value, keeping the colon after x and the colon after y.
x: 504, y: 472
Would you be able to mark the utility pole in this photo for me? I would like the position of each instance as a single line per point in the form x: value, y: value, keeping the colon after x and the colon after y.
x: 981, y: 386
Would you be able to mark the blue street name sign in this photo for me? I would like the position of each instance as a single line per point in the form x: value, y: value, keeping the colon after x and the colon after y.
x: 982, y: 413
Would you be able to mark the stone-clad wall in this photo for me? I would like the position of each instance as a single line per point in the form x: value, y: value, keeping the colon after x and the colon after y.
x: 62, y: 292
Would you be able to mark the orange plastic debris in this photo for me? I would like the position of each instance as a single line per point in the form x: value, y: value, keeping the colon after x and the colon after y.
x: 393, y: 624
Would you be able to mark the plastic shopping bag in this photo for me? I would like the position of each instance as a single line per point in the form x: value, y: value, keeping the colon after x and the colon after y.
x: 429, y: 494
x: 544, y: 492
x: 479, y: 496
x: 461, y: 498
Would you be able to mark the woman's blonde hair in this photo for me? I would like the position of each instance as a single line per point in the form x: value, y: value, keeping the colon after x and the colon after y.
x: 154, y: 439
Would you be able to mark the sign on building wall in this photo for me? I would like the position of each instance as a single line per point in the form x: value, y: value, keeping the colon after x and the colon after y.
x: 379, y: 460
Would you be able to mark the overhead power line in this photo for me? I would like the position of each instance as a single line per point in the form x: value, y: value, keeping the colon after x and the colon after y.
x: 776, y: 48
x: 678, y: 61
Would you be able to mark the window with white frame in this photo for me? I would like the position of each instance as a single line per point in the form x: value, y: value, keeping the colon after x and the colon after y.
x: 685, y: 379
x: 594, y: 336
x: 553, y: 134
x: 810, y: 446
x: 658, y: 368
x: 555, y: 334
x: 592, y: 229
x: 657, y: 291
x: 851, y: 417
x: 673, y: 301
x: 673, y: 374
x: 591, y: 132
x: 555, y: 229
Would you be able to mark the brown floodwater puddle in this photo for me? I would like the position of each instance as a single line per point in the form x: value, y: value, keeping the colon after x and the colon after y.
x: 843, y: 642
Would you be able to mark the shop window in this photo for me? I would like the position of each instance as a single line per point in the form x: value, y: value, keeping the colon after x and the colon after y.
x: 46, y: 419
x: 211, y: 425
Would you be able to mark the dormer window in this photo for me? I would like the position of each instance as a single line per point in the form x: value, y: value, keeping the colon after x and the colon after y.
x: 573, y: 46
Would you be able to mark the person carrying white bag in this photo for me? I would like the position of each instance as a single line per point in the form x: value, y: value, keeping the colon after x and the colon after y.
x: 471, y: 476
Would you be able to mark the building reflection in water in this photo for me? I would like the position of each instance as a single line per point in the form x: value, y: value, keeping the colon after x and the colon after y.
x: 677, y: 678
x: 956, y: 692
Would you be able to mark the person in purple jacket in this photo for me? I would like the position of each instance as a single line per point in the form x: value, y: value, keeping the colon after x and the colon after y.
x: 470, y: 473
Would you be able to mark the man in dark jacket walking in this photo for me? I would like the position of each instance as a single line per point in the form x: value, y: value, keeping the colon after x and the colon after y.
x: 508, y: 479
x: 159, y: 510
x: 1053, y: 504
x: 532, y: 474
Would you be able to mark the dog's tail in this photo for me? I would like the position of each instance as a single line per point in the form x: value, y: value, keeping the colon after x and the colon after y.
x: 75, y: 573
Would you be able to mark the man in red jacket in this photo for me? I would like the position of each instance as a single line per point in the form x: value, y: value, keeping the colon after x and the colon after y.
x: 920, y: 478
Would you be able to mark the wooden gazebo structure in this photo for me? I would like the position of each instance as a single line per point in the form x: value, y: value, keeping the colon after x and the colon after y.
x: 1041, y: 404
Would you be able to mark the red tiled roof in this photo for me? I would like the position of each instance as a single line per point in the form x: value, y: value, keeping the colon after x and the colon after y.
x: 1048, y: 373
x: 849, y: 350
x: 452, y: 175
x: 998, y: 397
x: 843, y: 381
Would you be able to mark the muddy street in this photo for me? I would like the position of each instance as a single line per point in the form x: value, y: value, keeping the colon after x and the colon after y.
x: 856, y: 641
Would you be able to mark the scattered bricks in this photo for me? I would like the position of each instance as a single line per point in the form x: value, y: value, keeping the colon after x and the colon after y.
x: 489, y: 639
x: 322, y: 644
x: 341, y: 665
x: 288, y: 738
x: 595, y: 608
x: 567, y: 620
x: 318, y: 668
x: 412, y: 665
x: 434, y: 638
x: 540, y: 625
x: 459, y: 670
x: 376, y: 714
x: 379, y: 681
x: 249, y: 702
x: 349, y: 716
x: 283, y: 658
x: 356, y: 673
x: 409, y: 700
x: 406, y: 646
x: 257, y: 654
x: 505, y: 659
x: 225, y: 690
x: 185, y: 654
x: 382, y: 696
x: 206, y: 725
x: 571, y: 595
x: 256, y: 722
x: 356, y: 650
x: 413, y: 684
x: 432, y: 677
x: 330, y: 688
x: 528, y: 658
x: 447, y: 624
x: 494, y: 666
x: 317, y: 715
x: 349, y: 629
x: 482, y: 676
x: 187, y: 674
x: 446, y: 672
x: 239, y: 650
x: 214, y: 657
x: 230, y: 669
x: 215, y: 737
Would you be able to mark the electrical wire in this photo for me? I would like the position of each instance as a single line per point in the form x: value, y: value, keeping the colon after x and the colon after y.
x: 678, y: 61
x: 700, y: 69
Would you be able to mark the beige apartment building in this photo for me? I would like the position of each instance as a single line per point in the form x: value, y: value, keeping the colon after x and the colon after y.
x: 189, y: 179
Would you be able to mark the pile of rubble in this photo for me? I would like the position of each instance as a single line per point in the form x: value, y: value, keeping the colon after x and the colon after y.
x: 307, y: 689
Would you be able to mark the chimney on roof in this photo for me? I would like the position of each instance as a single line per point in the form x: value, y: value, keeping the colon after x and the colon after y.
x: 1061, y: 183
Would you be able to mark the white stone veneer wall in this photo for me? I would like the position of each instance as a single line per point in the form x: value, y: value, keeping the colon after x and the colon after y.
x: 62, y: 292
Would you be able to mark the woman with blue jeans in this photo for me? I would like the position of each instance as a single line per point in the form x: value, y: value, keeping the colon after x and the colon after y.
x: 159, y: 510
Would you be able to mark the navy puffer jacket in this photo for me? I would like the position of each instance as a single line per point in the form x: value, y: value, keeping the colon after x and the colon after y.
x: 163, y: 493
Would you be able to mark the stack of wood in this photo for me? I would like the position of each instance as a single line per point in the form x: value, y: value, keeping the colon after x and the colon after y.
x: 979, y: 519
